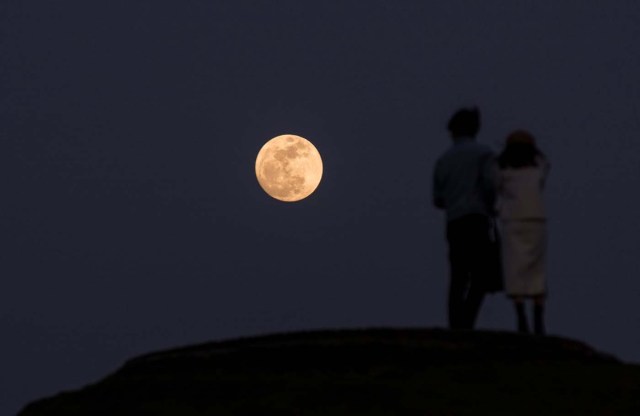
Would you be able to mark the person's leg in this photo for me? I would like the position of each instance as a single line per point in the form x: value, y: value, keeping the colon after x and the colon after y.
x: 479, y: 248
x: 538, y: 315
x: 457, y: 289
x: 473, y: 302
x: 523, y: 325
x: 459, y: 273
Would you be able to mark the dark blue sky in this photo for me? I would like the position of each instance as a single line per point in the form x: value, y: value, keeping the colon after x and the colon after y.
x: 131, y: 220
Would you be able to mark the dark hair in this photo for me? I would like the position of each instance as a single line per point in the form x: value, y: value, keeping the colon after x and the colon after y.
x: 520, y: 151
x: 465, y: 122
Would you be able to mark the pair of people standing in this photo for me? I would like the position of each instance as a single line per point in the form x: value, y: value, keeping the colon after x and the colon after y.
x: 474, y: 186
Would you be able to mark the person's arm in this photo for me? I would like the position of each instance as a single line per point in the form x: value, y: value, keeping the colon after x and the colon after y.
x: 490, y: 180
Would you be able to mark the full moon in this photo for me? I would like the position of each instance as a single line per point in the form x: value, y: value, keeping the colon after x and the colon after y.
x: 289, y: 168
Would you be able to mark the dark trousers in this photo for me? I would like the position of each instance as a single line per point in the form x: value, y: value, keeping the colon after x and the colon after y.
x: 470, y: 246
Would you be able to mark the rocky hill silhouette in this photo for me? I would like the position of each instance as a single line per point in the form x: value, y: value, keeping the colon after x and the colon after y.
x: 363, y: 372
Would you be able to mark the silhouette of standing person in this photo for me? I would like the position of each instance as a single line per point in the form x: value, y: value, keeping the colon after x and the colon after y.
x: 523, y: 172
x: 465, y: 187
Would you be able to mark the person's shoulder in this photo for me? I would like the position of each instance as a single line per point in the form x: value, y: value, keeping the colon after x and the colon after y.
x: 442, y: 160
x: 446, y: 153
x: 539, y: 169
x: 483, y: 149
x: 445, y: 160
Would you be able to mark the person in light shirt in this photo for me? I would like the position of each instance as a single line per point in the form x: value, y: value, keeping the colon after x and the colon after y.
x: 523, y: 171
x: 465, y: 187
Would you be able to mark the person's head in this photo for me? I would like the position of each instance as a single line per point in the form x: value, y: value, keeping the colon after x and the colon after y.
x: 520, y: 151
x: 465, y: 123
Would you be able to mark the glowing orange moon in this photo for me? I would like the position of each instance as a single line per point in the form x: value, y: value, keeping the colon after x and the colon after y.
x: 289, y: 168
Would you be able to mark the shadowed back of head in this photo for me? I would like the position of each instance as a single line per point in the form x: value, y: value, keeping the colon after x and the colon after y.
x: 465, y: 123
x: 520, y: 151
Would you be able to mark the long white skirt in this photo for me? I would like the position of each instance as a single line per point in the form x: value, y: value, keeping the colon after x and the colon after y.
x: 524, y: 247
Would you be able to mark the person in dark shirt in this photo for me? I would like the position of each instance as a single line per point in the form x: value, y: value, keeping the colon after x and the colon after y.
x: 465, y: 187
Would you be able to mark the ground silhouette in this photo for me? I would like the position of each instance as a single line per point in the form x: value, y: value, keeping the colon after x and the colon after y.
x: 363, y: 372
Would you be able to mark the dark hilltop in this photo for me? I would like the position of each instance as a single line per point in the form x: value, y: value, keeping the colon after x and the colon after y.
x: 363, y: 372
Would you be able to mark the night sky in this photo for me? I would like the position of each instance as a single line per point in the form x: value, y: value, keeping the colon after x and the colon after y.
x: 131, y: 219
